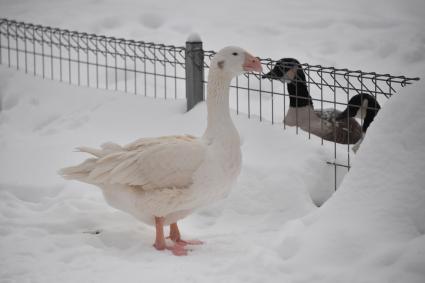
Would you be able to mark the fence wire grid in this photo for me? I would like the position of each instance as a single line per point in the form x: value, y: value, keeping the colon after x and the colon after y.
x: 158, y: 70
x: 93, y: 60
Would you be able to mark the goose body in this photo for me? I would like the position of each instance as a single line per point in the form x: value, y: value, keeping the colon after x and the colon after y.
x: 329, y: 124
x: 162, y: 180
x: 167, y: 176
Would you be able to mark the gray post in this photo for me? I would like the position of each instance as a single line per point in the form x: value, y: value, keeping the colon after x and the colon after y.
x: 194, y: 71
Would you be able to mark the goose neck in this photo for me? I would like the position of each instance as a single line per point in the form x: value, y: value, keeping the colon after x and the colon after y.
x: 219, y: 120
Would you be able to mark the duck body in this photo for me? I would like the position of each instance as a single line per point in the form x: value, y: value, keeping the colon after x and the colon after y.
x: 162, y: 180
x: 343, y: 131
x: 324, y: 124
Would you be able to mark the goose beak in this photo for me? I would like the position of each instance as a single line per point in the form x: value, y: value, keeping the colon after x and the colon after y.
x: 252, y: 64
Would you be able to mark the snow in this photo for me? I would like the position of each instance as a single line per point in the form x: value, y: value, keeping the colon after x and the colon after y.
x: 194, y: 37
x: 268, y: 229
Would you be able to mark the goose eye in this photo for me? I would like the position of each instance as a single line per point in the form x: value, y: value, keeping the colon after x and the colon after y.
x: 235, y: 54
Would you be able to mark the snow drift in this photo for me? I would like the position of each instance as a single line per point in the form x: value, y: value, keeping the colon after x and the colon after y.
x: 372, y: 229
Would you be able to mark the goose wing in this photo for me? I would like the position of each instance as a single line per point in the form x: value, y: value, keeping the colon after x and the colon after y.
x: 166, y: 162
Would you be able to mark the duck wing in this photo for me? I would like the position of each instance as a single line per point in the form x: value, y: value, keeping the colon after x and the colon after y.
x: 151, y: 163
x: 343, y: 131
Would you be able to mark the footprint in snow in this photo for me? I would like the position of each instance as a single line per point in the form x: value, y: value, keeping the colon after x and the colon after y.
x: 93, y: 232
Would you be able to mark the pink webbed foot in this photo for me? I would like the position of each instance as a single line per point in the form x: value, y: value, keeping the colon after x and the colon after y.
x: 176, y: 238
x: 188, y: 242
x: 176, y: 249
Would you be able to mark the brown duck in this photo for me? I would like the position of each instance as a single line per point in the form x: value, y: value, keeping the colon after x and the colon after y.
x: 329, y: 124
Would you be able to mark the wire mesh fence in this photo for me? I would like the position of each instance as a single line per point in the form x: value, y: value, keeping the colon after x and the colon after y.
x: 93, y: 60
x: 161, y: 71
x: 330, y: 90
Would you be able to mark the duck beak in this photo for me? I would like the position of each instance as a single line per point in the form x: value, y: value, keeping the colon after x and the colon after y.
x: 252, y: 64
x: 272, y: 76
x: 266, y: 76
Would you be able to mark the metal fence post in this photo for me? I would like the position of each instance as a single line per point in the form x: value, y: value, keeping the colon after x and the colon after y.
x: 194, y: 63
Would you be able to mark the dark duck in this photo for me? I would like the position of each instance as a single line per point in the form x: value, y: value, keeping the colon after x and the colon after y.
x: 329, y: 124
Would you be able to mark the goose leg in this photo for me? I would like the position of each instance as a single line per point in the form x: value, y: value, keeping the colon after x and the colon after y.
x: 175, y: 237
x: 174, y: 233
x: 160, y: 244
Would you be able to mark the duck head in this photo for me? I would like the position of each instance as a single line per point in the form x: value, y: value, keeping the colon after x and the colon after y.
x: 234, y: 61
x: 289, y: 70
x: 363, y: 106
x: 286, y: 70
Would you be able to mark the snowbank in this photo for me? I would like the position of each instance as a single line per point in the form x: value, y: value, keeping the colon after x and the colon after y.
x: 372, y: 229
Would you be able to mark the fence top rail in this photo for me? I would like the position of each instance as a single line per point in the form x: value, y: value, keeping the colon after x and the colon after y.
x: 108, y: 40
x: 70, y: 33
x: 333, y: 71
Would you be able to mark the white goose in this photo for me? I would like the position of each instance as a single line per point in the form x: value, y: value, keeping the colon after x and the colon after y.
x: 161, y: 180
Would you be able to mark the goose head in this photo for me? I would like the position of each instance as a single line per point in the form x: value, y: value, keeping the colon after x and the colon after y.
x: 233, y: 61
x: 363, y: 106
x: 226, y: 64
x: 287, y: 70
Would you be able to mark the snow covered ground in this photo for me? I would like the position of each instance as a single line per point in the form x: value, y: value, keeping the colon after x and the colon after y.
x: 268, y: 229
